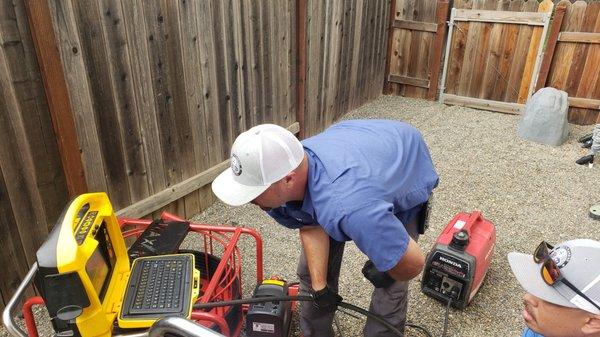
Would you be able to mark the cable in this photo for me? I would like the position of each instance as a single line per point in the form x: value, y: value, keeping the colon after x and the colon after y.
x: 345, y: 305
x: 211, y: 305
x: 346, y: 312
x: 373, y: 316
x: 446, y: 317
x: 418, y: 327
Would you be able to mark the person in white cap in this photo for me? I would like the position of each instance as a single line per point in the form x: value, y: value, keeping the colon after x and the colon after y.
x: 563, y: 289
x: 365, y: 180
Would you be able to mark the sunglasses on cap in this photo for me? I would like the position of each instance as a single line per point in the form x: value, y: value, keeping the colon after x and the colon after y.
x: 551, y: 272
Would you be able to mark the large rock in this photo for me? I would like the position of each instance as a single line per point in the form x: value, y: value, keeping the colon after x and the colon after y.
x: 545, y: 117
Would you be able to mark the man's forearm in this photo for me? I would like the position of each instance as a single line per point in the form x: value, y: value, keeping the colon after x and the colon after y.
x: 315, y: 243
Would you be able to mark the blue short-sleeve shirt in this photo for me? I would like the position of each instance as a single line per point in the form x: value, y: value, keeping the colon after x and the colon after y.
x: 365, y: 178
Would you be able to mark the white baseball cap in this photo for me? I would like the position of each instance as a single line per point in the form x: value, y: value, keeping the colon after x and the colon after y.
x: 579, y: 263
x: 260, y: 157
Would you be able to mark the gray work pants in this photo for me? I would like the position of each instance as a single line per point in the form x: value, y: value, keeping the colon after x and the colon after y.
x: 391, y: 302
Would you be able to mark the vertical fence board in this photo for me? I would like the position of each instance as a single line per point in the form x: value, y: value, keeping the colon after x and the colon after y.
x: 192, y: 74
x: 139, y: 59
x: 67, y: 36
x: 356, y: 49
x: 550, y: 48
x: 489, y: 78
x: 230, y: 68
x: 169, y: 98
x: 579, y: 82
x: 472, y: 43
x: 94, y: 53
x: 435, y: 58
x: 17, y: 165
x: 21, y: 59
x: 457, y: 54
x: 123, y: 92
x: 266, y: 58
x: 13, y: 259
x: 479, y: 63
x: 531, y: 60
x: 507, y: 54
x: 564, y: 51
x: 523, y: 41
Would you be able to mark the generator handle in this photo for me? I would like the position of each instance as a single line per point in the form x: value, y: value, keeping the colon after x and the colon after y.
x: 475, y: 215
x: 180, y: 327
x: 10, y: 310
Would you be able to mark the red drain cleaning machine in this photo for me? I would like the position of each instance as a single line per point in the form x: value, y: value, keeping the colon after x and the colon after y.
x: 459, y: 260
x: 93, y: 286
x: 103, y: 276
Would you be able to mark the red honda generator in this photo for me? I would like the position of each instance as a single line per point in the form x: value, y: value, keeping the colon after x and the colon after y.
x: 459, y: 260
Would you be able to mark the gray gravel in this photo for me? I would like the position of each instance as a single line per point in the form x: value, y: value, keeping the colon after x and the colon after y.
x: 531, y: 192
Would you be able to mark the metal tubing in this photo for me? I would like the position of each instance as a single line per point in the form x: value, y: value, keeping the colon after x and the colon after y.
x: 447, y: 57
x: 217, y: 274
x: 181, y: 327
x: 28, y: 315
x: 7, y: 315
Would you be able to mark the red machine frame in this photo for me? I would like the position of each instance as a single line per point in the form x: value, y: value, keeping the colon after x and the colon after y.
x: 223, y: 283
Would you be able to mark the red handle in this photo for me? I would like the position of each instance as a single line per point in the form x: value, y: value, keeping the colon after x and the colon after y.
x: 473, y: 218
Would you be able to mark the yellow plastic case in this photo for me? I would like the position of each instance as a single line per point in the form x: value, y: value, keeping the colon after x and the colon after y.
x: 86, y: 242
x: 147, y: 321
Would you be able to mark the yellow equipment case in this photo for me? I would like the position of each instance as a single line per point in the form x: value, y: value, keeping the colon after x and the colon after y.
x: 88, y: 284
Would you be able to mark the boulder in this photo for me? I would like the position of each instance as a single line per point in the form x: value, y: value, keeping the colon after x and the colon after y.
x: 545, y: 117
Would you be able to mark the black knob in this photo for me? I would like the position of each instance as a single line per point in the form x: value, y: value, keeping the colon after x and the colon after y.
x: 460, y: 240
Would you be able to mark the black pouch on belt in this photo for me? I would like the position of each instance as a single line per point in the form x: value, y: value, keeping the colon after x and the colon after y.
x: 423, y: 217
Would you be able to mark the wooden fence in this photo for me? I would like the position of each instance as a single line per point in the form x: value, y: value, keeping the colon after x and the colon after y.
x: 143, y: 99
x: 345, y: 57
x: 572, y: 60
x: 32, y: 184
x: 494, y: 63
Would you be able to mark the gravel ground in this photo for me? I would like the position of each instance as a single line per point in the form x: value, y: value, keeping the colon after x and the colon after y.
x: 531, y: 192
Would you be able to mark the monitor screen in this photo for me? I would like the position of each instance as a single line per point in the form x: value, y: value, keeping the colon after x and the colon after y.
x: 100, y: 265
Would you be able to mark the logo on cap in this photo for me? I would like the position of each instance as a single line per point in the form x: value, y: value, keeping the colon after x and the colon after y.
x: 561, y: 256
x: 236, y: 165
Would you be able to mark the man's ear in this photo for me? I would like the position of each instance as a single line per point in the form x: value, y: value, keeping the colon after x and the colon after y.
x: 592, y: 326
x: 289, y: 177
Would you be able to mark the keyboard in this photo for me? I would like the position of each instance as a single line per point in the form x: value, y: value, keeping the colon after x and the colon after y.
x: 159, y: 285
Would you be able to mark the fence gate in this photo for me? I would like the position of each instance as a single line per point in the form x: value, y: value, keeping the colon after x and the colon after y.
x: 493, y: 57
x: 415, y: 45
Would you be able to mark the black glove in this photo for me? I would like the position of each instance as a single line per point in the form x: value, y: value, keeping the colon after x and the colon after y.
x: 326, y: 299
x: 378, y: 278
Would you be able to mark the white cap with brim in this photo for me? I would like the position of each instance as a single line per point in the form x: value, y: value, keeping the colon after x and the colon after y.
x: 233, y: 193
x: 577, y: 260
x: 260, y: 157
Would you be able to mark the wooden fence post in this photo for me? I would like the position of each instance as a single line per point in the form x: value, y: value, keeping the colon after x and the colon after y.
x: 57, y: 94
x: 559, y: 15
x: 435, y: 57
x: 301, y: 65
